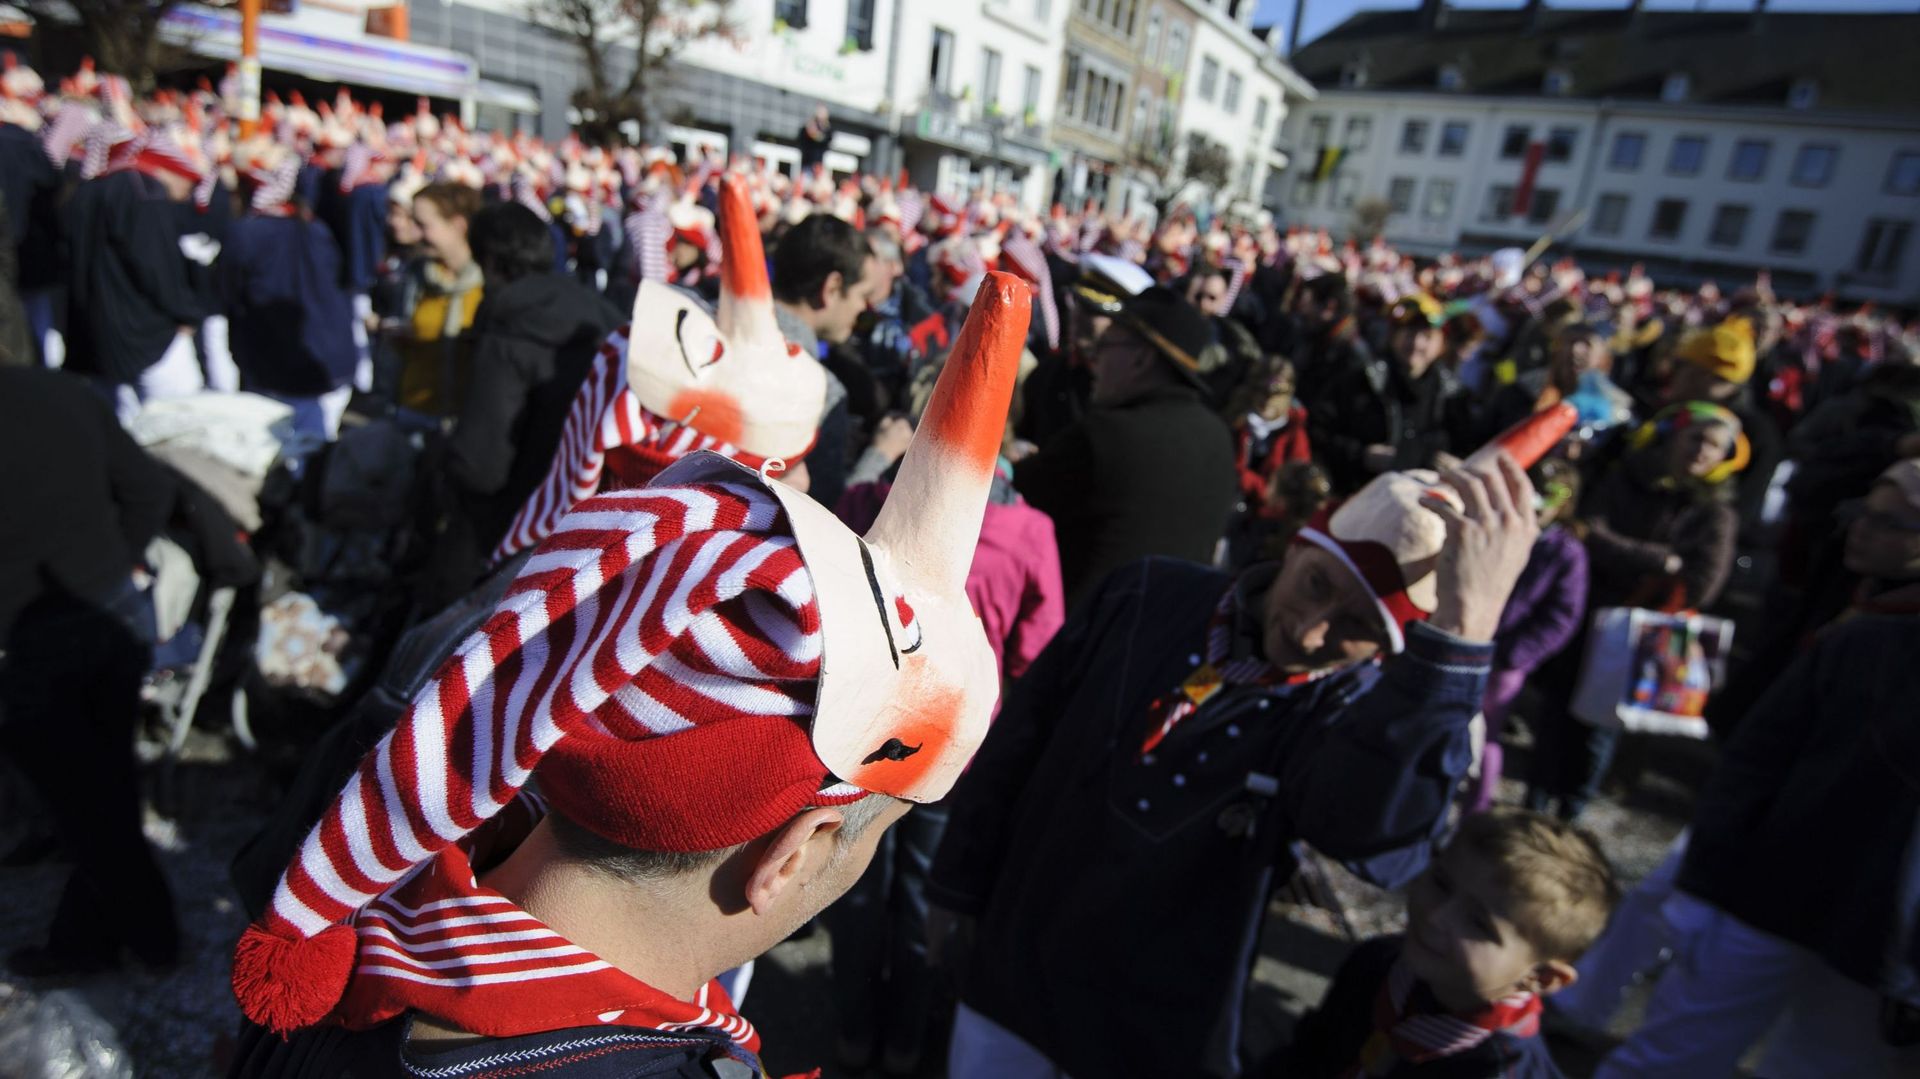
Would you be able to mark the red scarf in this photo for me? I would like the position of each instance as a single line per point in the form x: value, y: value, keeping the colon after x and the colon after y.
x: 1408, y: 1025
x: 440, y: 943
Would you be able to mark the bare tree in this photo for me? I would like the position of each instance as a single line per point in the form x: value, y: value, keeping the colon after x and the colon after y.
x: 1209, y: 162
x: 123, y: 36
x: 625, y: 47
x: 1370, y: 218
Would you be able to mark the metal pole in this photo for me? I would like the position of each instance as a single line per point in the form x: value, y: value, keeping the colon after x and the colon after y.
x: 249, y: 67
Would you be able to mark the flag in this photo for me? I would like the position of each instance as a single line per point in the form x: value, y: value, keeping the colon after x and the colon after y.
x: 1328, y: 161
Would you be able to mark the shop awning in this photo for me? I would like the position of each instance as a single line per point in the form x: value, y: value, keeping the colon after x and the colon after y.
x: 377, y: 62
x: 507, y: 96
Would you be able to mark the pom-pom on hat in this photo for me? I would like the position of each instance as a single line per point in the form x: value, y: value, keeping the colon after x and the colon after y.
x: 686, y: 666
x: 676, y: 380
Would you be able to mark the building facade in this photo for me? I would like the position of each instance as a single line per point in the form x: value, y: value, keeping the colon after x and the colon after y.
x: 1704, y: 145
x: 1235, y: 95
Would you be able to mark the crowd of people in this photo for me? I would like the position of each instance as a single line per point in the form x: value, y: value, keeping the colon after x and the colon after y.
x: 738, y: 499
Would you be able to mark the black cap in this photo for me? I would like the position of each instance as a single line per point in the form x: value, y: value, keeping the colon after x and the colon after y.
x: 1175, y: 327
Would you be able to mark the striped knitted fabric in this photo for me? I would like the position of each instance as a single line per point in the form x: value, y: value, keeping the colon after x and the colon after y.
x: 524, y: 194
x: 658, y: 641
x: 605, y: 418
x: 913, y: 207
x: 70, y: 125
x: 1236, y: 279
x: 274, y: 186
x: 356, y: 168
x: 648, y: 231
x: 1027, y: 257
x: 98, y: 145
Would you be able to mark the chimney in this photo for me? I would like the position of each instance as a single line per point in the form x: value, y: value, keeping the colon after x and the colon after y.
x: 1533, y: 15
x: 1433, y: 15
x: 1759, y: 21
x: 1636, y: 12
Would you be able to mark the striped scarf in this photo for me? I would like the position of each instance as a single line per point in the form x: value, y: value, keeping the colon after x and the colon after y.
x: 1217, y: 670
x: 1410, y: 1028
x: 442, y: 944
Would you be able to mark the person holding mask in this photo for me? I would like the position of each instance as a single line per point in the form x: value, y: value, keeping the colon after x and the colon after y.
x: 1659, y: 530
x: 448, y: 286
x: 1149, y: 470
x: 1393, y: 414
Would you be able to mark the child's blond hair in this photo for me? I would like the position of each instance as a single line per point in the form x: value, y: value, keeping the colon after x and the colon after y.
x: 1560, y: 885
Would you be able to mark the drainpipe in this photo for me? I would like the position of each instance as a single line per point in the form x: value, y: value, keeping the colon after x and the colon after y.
x: 896, y: 156
x: 1596, y: 147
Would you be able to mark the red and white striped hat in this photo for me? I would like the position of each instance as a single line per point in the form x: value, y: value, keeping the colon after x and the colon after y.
x: 675, y: 380
x: 684, y: 667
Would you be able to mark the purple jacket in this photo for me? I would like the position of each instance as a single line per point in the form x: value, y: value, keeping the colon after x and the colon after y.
x: 1548, y: 602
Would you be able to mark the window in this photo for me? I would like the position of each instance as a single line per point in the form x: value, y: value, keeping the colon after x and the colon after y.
x: 1453, y: 138
x: 1042, y: 9
x: 1142, y: 107
x: 1499, y: 203
x: 1030, y: 91
x: 1400, y: 194
x: 791, y: 12
x: 1676, y: 88
x: 1439, y: 200
x: 1450, y: 78
x: 1260, y: 118
x: 1231, y: 102
x: 1344, y: 189
x: 941, y: 69
x: 1150, y: 51
x: 1209, y: 77
x: 1882, y: 248
x: 1749, y: 159
x: 860, y: 23
x: 1319, y: 130
x: 1303, y: 192
x: 1803, y: 94
x: 989, y: 79
x: 1177, y: 46
x: 1413, y: 137
x: 1791, y: 231
x: 1903, y: 176
x: 1359, y: 133
x: 1628, y: 148
x: 1729, y: 225
x: 1669, y: 217
x: 1514, y: 143
x: 1546, y: 203
x: 1687, y: 154
x: 1560, y: 143
x: 1814, y: 166
x: 1610, y: 215
x: 1070, y: 84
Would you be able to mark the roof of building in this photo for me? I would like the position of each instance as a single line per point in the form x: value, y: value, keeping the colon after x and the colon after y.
x: 1858, y: 62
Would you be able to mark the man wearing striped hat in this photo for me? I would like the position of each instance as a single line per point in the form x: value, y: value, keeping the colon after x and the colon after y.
x: 677, y: 738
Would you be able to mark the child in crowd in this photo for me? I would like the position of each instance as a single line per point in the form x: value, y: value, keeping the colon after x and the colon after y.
x: 1543, y: 614
x: 1493, y: 926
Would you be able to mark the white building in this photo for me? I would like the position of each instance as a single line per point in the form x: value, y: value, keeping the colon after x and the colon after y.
x: 1706, y: 145
x: 1235, y: 92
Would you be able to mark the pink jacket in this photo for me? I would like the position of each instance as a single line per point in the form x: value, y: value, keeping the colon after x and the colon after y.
x: 1014, y: 583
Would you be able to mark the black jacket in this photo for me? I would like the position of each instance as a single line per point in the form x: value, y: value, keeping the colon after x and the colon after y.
x: 1155, y: 476
x: 129, y: 289
x: 605, y: 1052
x: 1119, y: 893
x: 1373, y: 403
x: 534, y: 341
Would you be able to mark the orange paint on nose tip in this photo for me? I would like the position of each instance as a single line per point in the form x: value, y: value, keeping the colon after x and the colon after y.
x: 743, y: 270
x: 968, y: 413
x: 718, y: 414
x: 934, y: 716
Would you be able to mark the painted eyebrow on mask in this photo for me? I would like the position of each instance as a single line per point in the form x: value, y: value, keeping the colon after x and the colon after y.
x: 680, y: 325
x: 879, y: 600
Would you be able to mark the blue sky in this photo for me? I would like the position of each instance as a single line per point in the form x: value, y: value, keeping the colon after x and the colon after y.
x: 1323, y: 15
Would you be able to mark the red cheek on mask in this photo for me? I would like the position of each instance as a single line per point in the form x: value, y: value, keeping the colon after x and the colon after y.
x: 719, y: 413
x: 933, y: 714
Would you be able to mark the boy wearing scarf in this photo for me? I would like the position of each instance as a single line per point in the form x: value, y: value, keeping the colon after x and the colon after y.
x: 1493, y: 926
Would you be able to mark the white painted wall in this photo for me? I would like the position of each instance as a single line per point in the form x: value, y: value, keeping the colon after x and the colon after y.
x: 811, y: 62
x: 1231, y: 44
x: 1856, y: 194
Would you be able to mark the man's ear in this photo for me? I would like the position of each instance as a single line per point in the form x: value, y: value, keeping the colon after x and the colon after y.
x: 791, y: 858
x: 1552, y: 976
x: 831, y: 289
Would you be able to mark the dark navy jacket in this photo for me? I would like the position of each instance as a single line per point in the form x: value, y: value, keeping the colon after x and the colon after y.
x: 1121, y: 892
x: 290, y: 324
x: 1803, y: 829
x: 580, y: 1053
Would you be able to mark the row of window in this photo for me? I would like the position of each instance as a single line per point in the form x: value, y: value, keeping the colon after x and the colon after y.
x: 940, y: 73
